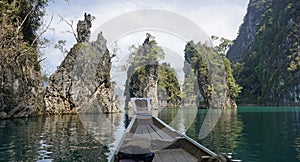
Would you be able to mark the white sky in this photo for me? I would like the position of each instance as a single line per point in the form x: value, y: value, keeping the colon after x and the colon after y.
x: 214, y: 17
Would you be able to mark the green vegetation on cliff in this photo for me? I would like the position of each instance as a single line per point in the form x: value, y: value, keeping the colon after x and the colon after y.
x: 20, y: 76
x: 168, y: 85
x: 147, y: 78
x: 208, y: 72
x: 267, y: 61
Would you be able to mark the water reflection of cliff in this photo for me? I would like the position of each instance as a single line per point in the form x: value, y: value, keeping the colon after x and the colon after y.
x: 225, y: 137
x: 66, y: 139
x: 226, y: 134
x: 105, y: 128
x: 180, y: 118
x: 60, y: 138
x: 78, y: 137
x: 19, y: 139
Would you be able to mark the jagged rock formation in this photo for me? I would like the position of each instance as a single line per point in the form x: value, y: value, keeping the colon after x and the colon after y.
x: 143, y: 83
x: 252, y: 18
x: 159, y: 80
x: 81, y: 84
x: 84, y: 28
x: 190, y: 95
x: 266, y: 53
x: 147, y: 78
x: 145, y: 55
x: 208, y: 78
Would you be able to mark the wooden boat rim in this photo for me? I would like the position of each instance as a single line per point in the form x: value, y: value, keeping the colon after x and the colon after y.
x: 177, y: 139
x: 120, y: 142
x: 187, y: 137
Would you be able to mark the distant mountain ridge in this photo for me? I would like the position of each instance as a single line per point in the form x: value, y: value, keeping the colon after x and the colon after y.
x: 266, y: 53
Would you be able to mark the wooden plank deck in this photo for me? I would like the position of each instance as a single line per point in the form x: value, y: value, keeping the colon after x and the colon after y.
x: 174, y: 155
x: 148, y: 131
x: 151, y: 132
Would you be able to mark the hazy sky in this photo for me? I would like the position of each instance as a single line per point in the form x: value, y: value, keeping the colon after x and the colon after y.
x: 214, y: 17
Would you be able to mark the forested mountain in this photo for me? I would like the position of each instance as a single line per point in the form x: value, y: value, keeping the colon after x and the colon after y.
x: 266, y: 53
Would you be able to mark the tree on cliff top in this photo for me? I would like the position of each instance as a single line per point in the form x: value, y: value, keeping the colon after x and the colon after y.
x: 147, y: 53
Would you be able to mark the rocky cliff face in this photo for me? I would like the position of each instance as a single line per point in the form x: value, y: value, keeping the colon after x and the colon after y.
x: 81, y: 84
x: 157, y: 82
x: 146, y: 78
x: 143, y: 83
x: 208, y: 80
x: 169, y: 92
x: 21, y: 88
x: 21, y: 92
x: 267, y: 53
x: 249, y: 26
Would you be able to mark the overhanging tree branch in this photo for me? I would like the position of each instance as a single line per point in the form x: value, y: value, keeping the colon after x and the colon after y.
x: 70, y: 24
x: 20, y: 27
x: 39, y: 35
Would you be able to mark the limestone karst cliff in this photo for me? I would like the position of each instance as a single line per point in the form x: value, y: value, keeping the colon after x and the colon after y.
x: 208, y: 78
x: 21, y: 92
x: 266, y: 53
x: 82, y: 81
x: 146, y: 77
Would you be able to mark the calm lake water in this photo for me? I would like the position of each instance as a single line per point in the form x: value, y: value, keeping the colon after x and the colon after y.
x: 251, y: 134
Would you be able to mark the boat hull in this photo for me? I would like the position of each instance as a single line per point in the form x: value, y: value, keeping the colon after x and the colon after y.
x: 147, y: 138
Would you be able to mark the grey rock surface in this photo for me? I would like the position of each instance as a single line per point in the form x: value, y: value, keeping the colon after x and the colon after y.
x: 21, y: 90
x: 81, y: 84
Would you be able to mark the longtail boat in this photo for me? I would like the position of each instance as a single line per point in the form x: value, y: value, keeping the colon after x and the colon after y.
x: 147, y: 138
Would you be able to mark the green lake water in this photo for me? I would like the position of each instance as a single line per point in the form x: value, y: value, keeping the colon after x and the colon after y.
x: 252, y: 134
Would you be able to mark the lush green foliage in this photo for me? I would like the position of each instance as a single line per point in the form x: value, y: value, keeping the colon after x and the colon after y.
x: 269, y: 70
x: 147, y: 53
x: 138, y: 58
x: 20, y: 21
x: 223, y: 46
x: 144, y: 66
x: 188, y: 89
x: 210, y: 73
x: 168, y: 85
x: 20, y: 75
x: 22, y: 15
